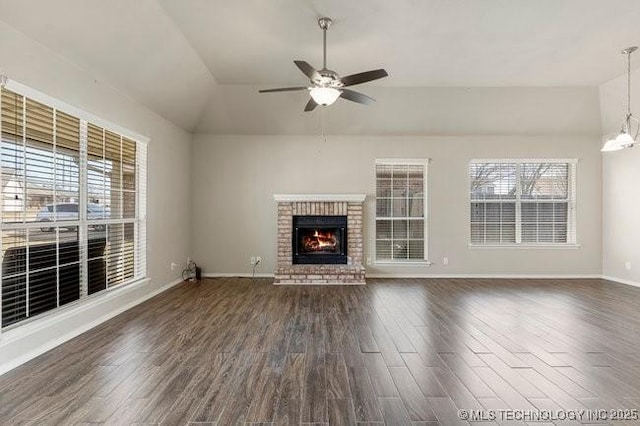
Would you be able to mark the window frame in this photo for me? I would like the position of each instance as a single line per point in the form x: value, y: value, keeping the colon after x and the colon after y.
x: 572, y: 184
x: 424, y: 162
x: 140, y: 266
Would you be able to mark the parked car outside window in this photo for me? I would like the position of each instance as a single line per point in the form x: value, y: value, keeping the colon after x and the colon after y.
x: 69, y: 211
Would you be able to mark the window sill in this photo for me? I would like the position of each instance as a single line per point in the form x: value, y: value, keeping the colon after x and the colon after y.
x: 403, y: 263
x: 525, y: 246
x: 45, y: 319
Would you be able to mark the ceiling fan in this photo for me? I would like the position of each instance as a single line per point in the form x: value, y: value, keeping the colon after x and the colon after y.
x: 326, y: 86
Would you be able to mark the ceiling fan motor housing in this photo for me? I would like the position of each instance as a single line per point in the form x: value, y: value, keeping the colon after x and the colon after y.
x: 328, y: 78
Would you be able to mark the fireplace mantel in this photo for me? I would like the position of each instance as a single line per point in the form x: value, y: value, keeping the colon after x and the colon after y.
x: 349, y: 205
x: 345, y: 198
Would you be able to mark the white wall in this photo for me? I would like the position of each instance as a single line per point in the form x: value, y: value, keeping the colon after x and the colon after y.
x: 234, y: 215
x: 620, y: 183
x: 30, y: 63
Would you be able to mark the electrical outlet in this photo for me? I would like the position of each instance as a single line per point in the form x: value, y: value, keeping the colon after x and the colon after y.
x: 252, y: 260
x: 258, y: 260
x: 368, y: 260
x: 445, y: 260
x: 627, y: 265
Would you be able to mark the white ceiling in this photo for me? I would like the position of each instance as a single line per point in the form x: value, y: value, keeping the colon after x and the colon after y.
x: 173, y: 55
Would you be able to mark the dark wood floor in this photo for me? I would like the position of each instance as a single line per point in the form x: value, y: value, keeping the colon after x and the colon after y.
x: 234, y: 351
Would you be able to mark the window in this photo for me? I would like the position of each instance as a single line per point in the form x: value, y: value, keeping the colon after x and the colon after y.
x: 71, y: 205
x: 400, y: 210
x: 523, y: 202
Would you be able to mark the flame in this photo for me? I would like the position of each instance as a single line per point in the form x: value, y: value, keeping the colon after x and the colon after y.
x: 320, y: 241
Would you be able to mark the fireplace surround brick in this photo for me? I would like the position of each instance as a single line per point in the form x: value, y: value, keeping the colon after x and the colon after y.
x: 349, y: 205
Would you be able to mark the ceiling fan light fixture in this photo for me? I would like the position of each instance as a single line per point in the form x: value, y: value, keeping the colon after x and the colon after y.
x: 612, y: 145
x: 324, y: 95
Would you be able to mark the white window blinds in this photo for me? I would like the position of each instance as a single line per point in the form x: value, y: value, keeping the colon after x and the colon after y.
x: 400, y: 210
x: 71, y: 215
x: 523, y: 202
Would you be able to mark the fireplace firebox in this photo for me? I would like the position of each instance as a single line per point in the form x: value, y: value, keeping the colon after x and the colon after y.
x: 319, y: 240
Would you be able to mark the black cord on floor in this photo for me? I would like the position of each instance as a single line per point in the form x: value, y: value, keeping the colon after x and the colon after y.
x: 254, y: 269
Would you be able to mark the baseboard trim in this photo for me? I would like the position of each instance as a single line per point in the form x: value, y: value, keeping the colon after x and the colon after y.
x: 449, y: 276
x: 236, y: 274
x: 621, y: 280
x: 488, y: 276
x: 307, y: 284
x: 21, y: 335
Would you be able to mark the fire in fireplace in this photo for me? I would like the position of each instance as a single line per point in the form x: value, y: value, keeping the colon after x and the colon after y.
x: 319, y: 240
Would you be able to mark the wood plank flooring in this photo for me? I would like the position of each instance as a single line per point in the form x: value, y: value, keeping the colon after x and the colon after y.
x: 397, y: 352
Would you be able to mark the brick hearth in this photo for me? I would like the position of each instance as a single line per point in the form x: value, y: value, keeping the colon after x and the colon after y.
x: 290, y: 205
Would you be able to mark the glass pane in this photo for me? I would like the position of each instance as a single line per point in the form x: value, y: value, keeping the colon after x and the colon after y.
x: 399, y: 188
x: 129, y: 177
x: 129, y: 250
x: 492, y: 233
x: 492, y: 212
x: 43, y: 291
x: 67, y: 181
x: 416, y: 187
x: 69, y: 283
x: 529, y: 233
x: 383, y: 207
x: 416, y: 229
x: 508, y: 233
x: 14, y: 299
x: 560, y: 212
x: 544, y: 180
x: 129, y: 204
x: 529, y: 212
x: 96, y: 275
x: 39, y: 158
x: 383, y: 188
x: 400, y: 249
x: 508, y: 212
x: 97, y: 244
x: 400, y: 229
x: 416, y: 207
x: 545, y: 212
x: 477, y: 212
x: 13, y: 179
x: 114, y: 254
x: 400, y: 172
x: 545, y: 233
x: 114, y: 205
x: 399, y: 207
x: 416, y: 250
x: 68, y: 246
x: 560, y: 233
x: 14, y: 251
x: 477, y: 233
x: 492, y: 180
x: 383, y: 250
x: 383, y: 171
x: 42, y: 251
x: 383, y: 229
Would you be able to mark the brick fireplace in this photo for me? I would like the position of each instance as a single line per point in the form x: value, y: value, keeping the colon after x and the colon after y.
x: 325, y: 209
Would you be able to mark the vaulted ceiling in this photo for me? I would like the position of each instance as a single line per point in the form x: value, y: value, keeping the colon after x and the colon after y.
x: 191, y: 60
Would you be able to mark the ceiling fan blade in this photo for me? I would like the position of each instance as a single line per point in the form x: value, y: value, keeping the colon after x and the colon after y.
x: 363, y: 77
x: 282, y: 89
x: 308, y: 70
x: 352, y: 95
x: 311, y: 105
